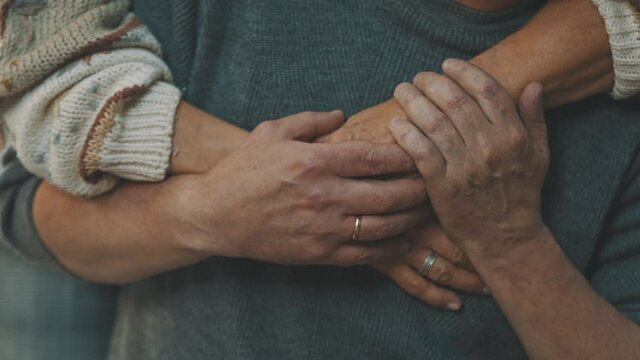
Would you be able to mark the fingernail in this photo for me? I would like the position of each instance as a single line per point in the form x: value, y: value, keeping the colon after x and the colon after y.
x: 336, y: 112
x: 449, y: 62
x: 486, y: 291
x: 453, y: 306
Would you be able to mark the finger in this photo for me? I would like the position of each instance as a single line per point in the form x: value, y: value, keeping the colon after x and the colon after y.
x: 445, y: 273
x: 433, y: 237
x: 532, y: 113
x: 359, y: 158
x: 424, y: 290
x: 426, y: 155
x: 308, y: 126
x: 353, y: 253
x: 430, y: 120
x: 489, y: 94
x: 381, y: 227
x: 367, y: 197
x: 455, y: 103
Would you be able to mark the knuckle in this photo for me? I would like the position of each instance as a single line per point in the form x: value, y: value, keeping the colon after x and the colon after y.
x: 489, y: 90
x: 414, y: 287
x: 373, y: 161
x: 491, y: 156
x: 383, y: 230
x: 457, y: 100
x: 442, y: 274
x: 458, y: 256
x: 364, y: 258
x: 425, y: 152
x: 517, y: 140
x: 315, y: 199
x: 384, y: 201
x: 314, y: 252
x: 436, y: 124
x: 267, y: 127
x: 307, y: 165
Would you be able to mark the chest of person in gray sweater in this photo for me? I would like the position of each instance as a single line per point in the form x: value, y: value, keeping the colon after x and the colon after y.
x: 249, y: 61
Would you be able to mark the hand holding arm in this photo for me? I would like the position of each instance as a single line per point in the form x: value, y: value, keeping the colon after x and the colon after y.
x: 488, y: 202
x: 243, y: 208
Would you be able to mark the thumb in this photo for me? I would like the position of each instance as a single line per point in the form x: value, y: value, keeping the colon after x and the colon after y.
x: 308, y: 126
x: 531, y: 110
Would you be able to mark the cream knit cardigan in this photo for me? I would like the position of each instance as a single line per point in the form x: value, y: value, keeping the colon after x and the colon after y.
x: 86, y: 97
x: 86, y: 100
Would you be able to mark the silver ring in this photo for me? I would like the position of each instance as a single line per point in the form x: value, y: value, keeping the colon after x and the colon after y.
x: 429, y: 261
x: 357, y: 228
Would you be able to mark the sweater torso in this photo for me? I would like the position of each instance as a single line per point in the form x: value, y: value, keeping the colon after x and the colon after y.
x: 250, y: 61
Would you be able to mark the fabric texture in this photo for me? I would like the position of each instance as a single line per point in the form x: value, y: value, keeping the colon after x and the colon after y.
x: 45, y: 314
x: 249, y: 61
x: 622, y: 20
x: 253, y: 61
x: 86, y: 96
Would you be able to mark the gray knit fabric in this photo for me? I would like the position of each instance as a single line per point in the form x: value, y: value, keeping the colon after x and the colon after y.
x: 45, y: 314
x: 249, y: 61
x: 258, y: 60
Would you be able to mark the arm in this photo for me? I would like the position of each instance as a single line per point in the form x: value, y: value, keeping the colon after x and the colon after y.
x: 242, y: 208
x: 82, y: 84
x: 555, y: 311
x: 564, y: 47
x: 484, y: 168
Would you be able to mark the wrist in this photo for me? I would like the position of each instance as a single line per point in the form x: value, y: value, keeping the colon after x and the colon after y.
x: 194, y: 211
x: 517, y: 262
x: 201, y: 140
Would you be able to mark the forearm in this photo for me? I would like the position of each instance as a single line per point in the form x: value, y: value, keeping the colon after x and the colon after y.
x: 565, y: 47
x: 553, y: 309
x: 201, y: 140
x: 123, y: 236
x: 131, y: 233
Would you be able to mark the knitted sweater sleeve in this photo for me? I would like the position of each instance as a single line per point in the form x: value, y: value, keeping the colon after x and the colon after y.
x: 622, y: 20
x: 85, y: 98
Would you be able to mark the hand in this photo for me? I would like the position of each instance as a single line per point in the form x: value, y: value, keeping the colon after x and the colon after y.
x: 370, y: 125
x: 281, y: 199
x: 483, y: 160
x: 452, y: 269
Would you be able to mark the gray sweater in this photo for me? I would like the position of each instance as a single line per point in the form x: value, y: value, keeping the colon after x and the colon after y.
x: 248, y: 61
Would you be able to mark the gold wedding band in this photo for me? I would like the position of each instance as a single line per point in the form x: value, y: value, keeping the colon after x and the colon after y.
x: 428, y: 263
x: 356, y: 228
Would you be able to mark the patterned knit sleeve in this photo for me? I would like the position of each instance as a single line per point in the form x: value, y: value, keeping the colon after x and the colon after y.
x: 622, y: 20
x: 85, y: 98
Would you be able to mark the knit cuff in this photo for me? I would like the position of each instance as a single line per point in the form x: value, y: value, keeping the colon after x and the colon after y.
x: 137, y: 144
x: 622, y: 21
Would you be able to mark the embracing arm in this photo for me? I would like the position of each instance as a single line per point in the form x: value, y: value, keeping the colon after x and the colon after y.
x: 132, y: 232
x: 565, y: 47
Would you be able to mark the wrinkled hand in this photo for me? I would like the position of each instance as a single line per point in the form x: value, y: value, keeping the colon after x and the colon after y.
x: 483, y: 159
x: 370, y: 125
x: 282, y: 199
x: 452, y: 269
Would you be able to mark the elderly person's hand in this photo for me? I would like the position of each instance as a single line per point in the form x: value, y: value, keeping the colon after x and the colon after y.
x: 370, y: 125
x: 483, y: 159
